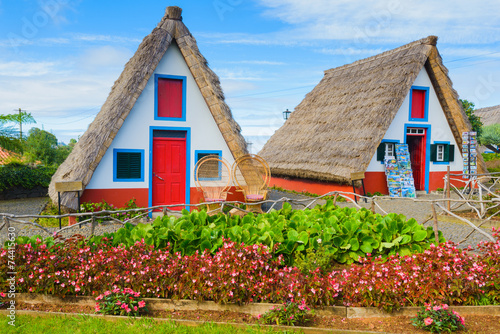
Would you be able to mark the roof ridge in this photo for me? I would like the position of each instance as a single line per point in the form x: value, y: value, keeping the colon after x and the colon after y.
x: 429, y: 40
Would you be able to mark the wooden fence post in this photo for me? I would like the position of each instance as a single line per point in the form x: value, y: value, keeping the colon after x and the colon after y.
x: 335, y: 199
x: 372, y: 206
x: 448, y: 204
x: 92, y: 226
x: 434, y: 215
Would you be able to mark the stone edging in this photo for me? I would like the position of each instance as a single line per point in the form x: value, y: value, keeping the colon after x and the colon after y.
x: 161, y: 304
x: 191, y: 323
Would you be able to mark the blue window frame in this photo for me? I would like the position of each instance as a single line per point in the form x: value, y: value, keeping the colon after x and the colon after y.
x: 175, y: 77
x: 128, y: 165
x: 199, y: 154
x: 442, y: 153
x: 383, y: 148
x: 426, y: 104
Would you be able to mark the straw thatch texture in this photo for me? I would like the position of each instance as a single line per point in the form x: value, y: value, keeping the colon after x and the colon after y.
x: 489, y: 115
x: 90, y: 149
x: 337, y: 128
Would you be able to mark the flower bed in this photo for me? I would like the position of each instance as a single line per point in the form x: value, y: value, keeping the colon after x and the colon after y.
x: 245, y: 274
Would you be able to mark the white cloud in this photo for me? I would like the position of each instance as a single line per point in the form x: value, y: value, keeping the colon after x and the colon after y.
x: 459, y: 20
x: 105, y: 38
x: 350, y: 51
x: 256, y: 62
x: 238, y: 74
x: 105, y: 57
x: 26, y: 69
x: 236, y: 86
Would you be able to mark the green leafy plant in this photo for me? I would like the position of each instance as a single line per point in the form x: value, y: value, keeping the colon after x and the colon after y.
x: 345, y: 234
x: 314, y: 259
x: 438, y: 319
x: 120, y: 302
x: 288, y: 314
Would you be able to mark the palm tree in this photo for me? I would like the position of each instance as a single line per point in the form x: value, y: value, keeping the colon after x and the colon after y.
x: 8, y: 134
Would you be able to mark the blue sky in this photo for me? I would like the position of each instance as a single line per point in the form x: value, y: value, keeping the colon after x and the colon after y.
x: 59, y: 58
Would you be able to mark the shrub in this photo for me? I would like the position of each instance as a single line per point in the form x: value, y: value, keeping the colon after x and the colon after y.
x: 288, y: 314
x: 120, y: 302
x: 438, y: 319
x: 25, y: 176
x: 314, y: 259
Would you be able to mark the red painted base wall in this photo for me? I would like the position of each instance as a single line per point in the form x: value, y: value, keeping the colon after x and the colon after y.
x: 374, y: 182
x: 119, y: 197
x: 312, y: 186
x: 197, y: 196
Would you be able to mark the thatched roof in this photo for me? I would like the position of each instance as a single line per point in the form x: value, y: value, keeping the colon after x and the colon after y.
x: 338, y: 126
x: 88, y: 152
x: 489, y: 115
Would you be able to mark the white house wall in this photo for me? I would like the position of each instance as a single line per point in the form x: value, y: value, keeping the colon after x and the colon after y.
x: 135, y: 131
x: 440, y: 129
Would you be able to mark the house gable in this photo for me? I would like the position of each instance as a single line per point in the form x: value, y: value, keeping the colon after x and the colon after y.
x: 438, y: 128
x: 95, y: 142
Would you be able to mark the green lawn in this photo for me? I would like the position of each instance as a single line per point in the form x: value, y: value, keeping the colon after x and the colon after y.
x: 81, y: 324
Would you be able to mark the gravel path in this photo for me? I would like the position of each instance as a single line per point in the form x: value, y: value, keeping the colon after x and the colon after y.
x: 421, y: 211
x: 34, y: 206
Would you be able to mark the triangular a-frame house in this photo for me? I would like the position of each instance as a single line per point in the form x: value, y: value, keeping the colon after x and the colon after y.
x: 489, y: 115
x: 349, y: 121
x: 165, y: 111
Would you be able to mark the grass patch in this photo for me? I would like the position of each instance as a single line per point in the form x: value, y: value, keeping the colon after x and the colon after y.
x: 83, y: 324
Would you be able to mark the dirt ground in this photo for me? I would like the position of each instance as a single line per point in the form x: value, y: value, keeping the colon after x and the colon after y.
x: 474, y: 324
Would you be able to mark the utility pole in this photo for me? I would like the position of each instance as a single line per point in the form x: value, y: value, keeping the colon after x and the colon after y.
x: 21, y: 123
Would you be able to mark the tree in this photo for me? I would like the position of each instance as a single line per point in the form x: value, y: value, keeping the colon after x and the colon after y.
x: 63, y: 151
x: 490, y: 137
x: 474, y: 120
x: 41, y: 146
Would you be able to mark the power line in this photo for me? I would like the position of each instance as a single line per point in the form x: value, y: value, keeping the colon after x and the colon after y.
x: 486, y: 54
x: 274, y: 91
x: 487, y: 61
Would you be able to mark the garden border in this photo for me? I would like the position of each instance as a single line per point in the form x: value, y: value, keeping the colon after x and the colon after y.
x: 161, y: 304
x: 192, y: 323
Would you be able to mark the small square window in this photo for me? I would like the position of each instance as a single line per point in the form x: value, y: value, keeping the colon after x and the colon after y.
x: 170, y: 97
x: 128, y: 165
x: 389, y: 149
x: 440, y: 153
x: 211, y: 170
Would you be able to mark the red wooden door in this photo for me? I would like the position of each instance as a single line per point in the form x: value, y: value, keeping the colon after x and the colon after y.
x: 169, y: 171
x: 416, y: 146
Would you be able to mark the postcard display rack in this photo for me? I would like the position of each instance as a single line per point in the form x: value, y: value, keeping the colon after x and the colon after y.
x: 399, y: 174
x: 469, y: 154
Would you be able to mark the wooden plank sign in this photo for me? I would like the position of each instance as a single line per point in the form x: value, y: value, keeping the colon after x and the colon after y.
x: 68, y: 186
x: 357, y: 176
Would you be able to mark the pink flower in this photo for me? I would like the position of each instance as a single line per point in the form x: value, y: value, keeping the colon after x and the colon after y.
x: 118, y: 302
x: 142, y: 303
x: 428, y: 321
x: 436, y: 308
x: 97, y: 308
x: 445, y: 306
x: 99, y: 297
